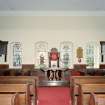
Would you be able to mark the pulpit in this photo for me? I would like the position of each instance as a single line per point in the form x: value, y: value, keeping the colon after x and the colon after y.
x: 54, y: 74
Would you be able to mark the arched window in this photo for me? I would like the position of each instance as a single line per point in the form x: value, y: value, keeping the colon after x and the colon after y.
x: 92, y: 55
x: 66, y: 54
x: 41, y: 54
x: 16, y: 55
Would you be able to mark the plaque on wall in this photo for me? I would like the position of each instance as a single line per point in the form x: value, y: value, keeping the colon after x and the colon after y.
x: 66, y: 54
x: 79, y: 54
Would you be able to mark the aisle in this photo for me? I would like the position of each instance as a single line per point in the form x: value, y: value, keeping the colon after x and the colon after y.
x: 54, y: 96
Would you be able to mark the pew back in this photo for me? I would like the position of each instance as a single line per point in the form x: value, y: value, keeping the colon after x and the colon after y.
x: 21, y: 89
x: 83, y: 80
x: 9, y: 99
x: 86, y: 89
x: 31, y: 80
x: 97, y: 99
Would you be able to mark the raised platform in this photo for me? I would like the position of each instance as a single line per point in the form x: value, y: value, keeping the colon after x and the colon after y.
x: 54, y: 83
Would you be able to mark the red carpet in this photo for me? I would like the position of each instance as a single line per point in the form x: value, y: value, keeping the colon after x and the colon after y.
x: 54, y: 96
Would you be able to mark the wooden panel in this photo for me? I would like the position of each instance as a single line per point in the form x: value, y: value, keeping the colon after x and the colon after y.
x: 75, y: 80
x: 102, y: 66
x: 22, y: 89
x: 9, y: 99
x: 31, y: 80
x: 97, y: 99
x: 79, y: 66
x: 27, y: 66
x: 87, y: 89
x: 4, y: 66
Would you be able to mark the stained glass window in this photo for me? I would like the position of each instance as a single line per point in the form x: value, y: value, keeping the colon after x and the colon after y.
x: 16, y: 54
x: 92, y: 54
x: 66, y: 54
x: 41, y: 54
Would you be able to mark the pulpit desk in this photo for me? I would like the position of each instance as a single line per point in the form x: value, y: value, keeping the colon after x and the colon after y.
x: 54, y: 73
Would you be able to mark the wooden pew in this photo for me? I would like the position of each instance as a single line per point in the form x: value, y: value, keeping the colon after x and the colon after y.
x: 21, y: 89
x: 9, y: 99
x: 31, y: 80
x: 86, y: 89
x: 97, y: 99
x: 83, y: 79
x: 74, y: 80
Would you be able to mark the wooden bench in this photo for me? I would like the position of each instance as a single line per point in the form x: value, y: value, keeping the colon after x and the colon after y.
x: 74, y: 80
x: 97, y: 99
x: 31, y: 80
x: 9, y: 99
x: 21, y: 89
x: 86, y: 89
x: 83, y: 79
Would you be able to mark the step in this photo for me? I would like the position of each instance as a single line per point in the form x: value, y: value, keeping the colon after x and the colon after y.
x: 54, y: 83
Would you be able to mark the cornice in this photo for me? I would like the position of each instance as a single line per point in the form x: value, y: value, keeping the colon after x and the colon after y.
x: 52, y: 13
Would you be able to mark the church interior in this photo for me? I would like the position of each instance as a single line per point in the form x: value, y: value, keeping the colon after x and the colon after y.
x: 52, y: 52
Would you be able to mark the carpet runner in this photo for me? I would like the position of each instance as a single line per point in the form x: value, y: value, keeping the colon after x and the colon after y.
x: 54, y: 96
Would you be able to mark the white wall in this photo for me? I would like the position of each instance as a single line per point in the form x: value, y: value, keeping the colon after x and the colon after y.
x: 53, y: 29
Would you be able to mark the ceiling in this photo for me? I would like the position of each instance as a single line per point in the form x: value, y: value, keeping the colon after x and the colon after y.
x: 65, y: 5
x: 52, y: 5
